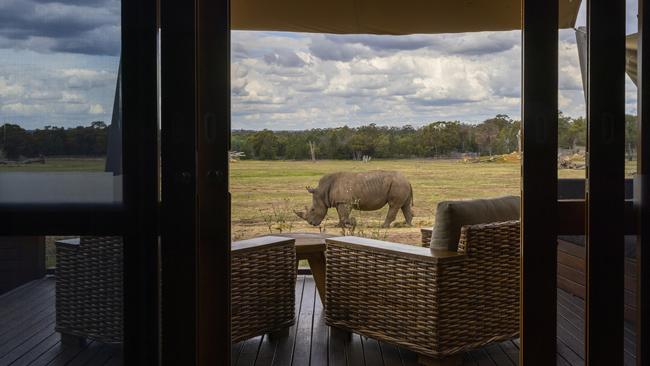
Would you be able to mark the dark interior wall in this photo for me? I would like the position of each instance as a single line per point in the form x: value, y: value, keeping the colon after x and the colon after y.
x: 22, y: 259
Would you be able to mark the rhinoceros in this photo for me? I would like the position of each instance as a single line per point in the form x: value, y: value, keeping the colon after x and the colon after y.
x: 366, y: 191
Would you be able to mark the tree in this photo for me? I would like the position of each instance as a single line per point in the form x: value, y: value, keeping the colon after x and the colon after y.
x: 312, y: 150
x: 631, y: 133
x: 486, y: 135
x: 439, y: 138
x: 578, y: 132
x: 364, y: 141
x: 16, y: 141
x: 565, y: 138
x: 264, y: 145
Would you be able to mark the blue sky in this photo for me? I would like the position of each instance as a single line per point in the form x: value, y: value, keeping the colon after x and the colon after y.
x: 59, y: 59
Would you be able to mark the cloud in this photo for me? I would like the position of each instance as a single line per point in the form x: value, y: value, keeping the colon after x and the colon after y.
x: 380, y: 43
x: 55, y: 90
x: 58, y: 64
x: 84, y: 27
x: 283, y: 57
x: 96, y: 109
x: 326, y: 49
x: 327, y: 80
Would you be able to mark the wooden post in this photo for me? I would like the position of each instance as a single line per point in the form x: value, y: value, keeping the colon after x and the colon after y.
x: 605, y: 190
x: 539, y: 183
x: 642, y: 191
x: 178, y: 171
x: 141, y: 181
x: 213, y: 198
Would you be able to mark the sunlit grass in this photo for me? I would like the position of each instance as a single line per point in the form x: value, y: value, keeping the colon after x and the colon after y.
x: 265, y: 190
x: 59, y: 165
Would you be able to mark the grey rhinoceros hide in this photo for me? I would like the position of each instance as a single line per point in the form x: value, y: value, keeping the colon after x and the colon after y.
x: 365, y: 191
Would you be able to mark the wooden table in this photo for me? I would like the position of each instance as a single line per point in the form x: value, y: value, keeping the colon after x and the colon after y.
x: 311, y: 246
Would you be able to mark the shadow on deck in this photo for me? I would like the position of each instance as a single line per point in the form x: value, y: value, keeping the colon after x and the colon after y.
x: 27, y: 337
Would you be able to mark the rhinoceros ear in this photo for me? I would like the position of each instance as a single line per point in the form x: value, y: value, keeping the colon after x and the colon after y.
x: 311, y: 190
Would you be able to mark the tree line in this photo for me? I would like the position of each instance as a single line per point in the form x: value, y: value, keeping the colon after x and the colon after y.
x: 17, y: 142
x: 497, y: 135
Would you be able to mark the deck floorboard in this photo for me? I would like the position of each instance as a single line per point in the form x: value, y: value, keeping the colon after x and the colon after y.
x: 27, y: 337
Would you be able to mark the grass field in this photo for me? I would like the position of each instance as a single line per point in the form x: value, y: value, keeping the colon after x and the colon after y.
x: 59, y: 165
x: 265, y: 193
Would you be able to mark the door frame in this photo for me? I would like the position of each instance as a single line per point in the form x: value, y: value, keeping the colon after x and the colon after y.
x: 136, y: 217
x: 195, y: 216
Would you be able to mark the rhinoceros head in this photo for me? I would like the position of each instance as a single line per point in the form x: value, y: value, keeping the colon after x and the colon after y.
x: 315, y: 214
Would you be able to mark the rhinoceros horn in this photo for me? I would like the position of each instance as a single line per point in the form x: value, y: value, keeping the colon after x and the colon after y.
x: 300, y: 214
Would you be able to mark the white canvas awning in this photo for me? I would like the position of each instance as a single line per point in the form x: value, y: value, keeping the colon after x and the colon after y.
x: 386, y: 16
x: 631, y: 46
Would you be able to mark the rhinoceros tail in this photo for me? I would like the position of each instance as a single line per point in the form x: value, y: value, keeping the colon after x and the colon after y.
x: 412, y: 197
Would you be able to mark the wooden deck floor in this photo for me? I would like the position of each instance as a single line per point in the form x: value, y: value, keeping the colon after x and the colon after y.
x: 27, y: 337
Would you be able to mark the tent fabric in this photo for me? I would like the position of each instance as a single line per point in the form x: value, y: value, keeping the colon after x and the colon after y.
x: 114, y: 146
x: 386, y: 16
x: 631, y: 46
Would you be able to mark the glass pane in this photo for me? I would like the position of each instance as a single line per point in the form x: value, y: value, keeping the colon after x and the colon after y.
x: 61, y: 300
x: 60, y: 117
x: 571, y: 163
x: 631, y: 133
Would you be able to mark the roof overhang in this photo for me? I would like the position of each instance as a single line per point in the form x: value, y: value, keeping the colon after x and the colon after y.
x: 386, y: 16
x: 631, y: 47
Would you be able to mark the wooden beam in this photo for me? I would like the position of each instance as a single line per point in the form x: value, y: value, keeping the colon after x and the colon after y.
x: 539, y: 182
x: 140, y: 162
x: 213, y: 140
x: 63, y: 219
x: 605, y: 192
x: 642, y: 190
x: 178, y: 240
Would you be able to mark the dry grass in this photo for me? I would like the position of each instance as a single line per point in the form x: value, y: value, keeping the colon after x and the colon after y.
x: 264, y: 193
x: 261, y: 189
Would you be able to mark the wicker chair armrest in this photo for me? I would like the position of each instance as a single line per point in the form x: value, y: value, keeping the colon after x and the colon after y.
x: 243, y: 246
x: 396, y: 249
x: 425, y: 234
x: 494, y: 232
x: 68, y: 243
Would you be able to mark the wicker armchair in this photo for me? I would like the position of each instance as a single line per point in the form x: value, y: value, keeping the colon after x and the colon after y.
x: 437, y: 303
x: 263, y: 286
x: 89, y: 287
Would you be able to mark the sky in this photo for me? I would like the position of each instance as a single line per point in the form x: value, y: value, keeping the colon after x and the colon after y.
x: 59, y: 60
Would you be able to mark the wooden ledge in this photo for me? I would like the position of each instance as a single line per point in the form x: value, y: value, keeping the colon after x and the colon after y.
x: 401, y: 250
x: 260, y: 242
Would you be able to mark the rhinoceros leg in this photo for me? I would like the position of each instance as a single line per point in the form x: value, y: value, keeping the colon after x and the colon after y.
x: 390, y: 216
x: 344, y: 214
x: 408, y: 212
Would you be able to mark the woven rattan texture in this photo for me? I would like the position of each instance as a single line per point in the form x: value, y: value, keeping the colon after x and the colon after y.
x: 426, y: 237
x: 89, y: 288
x: 263, y: 290
x: 435, y: 309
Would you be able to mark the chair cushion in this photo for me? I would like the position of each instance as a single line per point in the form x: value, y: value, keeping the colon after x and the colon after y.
x: 452, y: 215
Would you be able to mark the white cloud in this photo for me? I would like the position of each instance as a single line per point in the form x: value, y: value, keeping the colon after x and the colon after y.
x: 55, y: 89
x: 54, y: 69
x: 10, y: 89
x: 353, y: 80
x: 96, y: 109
